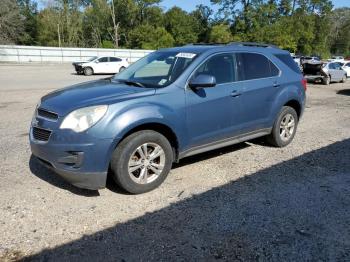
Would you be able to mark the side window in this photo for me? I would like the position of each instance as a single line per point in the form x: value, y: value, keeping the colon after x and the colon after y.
x: 254, y: 66
x: 331, y: 66
x: 114, y: 59
x: 347, y: 65
x: 103, y: 59
x: 287, y: 60
x: 274, y: 70
x: 220, y: 66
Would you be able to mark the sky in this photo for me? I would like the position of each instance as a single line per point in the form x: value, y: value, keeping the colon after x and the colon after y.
x: 190, y: 5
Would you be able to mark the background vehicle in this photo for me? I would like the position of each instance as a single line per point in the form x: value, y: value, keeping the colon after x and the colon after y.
x: 346, y: 68
x: 171, y: 104
x: 336, y: 59
x: 305, y: 59
x: 101, y: 65
x: 326, y: 73
x: 297, y: 60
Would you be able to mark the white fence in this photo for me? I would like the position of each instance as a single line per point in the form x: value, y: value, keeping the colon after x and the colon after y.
x: 25, y: 54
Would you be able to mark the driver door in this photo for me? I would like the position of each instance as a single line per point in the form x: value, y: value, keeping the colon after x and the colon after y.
x: 214, y: 113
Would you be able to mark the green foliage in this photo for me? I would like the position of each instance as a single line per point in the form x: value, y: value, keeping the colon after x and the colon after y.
x: 220, y: 34
x: 183, y: 27
x: 48, y: 27
x: 149, y: 37
x: 28, y: 12
x: 309, y: 27
x: 107, y: 44
x: 11, y: 26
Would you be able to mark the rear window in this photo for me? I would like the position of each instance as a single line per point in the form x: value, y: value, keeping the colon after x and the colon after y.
x: 254, y: 66
x: 114, y: 59
x: 288, y: 60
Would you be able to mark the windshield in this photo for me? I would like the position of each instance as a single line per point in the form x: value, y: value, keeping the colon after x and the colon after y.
x: 157, y: 69
x: 92, y: 58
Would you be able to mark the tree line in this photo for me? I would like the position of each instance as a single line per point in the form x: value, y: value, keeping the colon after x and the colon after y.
x: 309, y: 27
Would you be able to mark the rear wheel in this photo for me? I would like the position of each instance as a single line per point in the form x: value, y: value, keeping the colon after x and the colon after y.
x: 122, y: 69
x: 142, y: 161
x: 284, y: 128
x: 344, y: 79
x: 88, y: 71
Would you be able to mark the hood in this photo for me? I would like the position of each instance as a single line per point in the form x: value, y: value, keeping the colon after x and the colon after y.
x: 100, y: 92
x: 79, y: 62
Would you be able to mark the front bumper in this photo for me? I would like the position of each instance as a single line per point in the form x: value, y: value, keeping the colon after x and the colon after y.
x: 84, y: 165
x: 78, y: 68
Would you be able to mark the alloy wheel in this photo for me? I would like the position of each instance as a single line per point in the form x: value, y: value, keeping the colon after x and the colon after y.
x: 146, y: 163
x: 287, y: 127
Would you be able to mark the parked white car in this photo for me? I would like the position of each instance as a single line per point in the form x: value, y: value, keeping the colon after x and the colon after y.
x: 346, y: 68
x: 339, y: 59
x: 101, y: 65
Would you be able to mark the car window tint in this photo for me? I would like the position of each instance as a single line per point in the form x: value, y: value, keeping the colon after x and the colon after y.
x: 103, y: 59
x: 114, y: 59
x: 254, y: 66
x: 274, y: 70
x: 220, y: 66
x: 331, y: 66
x: 286, y: 59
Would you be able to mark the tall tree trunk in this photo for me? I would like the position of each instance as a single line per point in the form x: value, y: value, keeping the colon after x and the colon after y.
x: 293, y: 6
x: 115, y: 27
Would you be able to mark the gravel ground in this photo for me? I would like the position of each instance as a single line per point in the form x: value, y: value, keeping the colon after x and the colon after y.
x: 244, y: 202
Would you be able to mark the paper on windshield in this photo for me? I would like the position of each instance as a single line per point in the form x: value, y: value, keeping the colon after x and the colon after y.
x: 186, y: 55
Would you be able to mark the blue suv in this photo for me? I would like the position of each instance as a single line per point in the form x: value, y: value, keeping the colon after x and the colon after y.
x: 171, y: 104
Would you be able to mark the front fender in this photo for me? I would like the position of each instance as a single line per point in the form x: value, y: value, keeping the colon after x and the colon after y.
x: 120, y: 123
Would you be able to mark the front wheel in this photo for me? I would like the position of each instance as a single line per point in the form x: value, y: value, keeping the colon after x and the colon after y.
x: 88, y: 71
x: 284, y: 128
x: 142, y: 161
x: 327, y: 80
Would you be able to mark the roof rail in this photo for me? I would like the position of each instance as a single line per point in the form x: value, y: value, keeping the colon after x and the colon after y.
x: 252, y: 44
x: 206, y: 44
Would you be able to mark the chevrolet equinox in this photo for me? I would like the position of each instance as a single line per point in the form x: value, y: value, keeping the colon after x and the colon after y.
x: 171, y: 104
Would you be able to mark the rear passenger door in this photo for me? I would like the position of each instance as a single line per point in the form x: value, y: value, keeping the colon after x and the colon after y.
x: 261, y: 81
x: 114, y: 64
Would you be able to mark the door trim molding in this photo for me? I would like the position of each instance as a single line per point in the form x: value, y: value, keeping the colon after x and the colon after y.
x: 225, y: 142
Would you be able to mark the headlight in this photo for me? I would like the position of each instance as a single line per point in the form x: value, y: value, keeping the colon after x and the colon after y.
x: 83, y: 118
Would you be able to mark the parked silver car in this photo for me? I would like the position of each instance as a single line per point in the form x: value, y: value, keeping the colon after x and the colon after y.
x: 335, y: 72
x: 318, y: 71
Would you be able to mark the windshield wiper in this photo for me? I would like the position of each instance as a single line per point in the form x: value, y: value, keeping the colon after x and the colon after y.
x: 132, y: 83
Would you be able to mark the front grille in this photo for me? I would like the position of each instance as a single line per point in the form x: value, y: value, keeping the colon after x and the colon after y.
x: 47, y: 114
x: 41, y: 134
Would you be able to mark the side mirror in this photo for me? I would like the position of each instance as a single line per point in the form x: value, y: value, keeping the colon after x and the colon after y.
x: 202, y: 81
x: 96, y: 61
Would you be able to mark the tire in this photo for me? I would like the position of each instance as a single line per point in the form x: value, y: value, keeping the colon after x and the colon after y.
x: 277, y: 137
x: 344, y: 79
x: 327, y: 80
x: 126, y: 155
x: 88, y: 71
x: 121, y: 69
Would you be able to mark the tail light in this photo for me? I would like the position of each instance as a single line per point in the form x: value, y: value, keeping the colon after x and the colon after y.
x: 304, y: 83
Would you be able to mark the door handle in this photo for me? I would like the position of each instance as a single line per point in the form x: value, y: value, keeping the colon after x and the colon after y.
x: 276, y: 84
x: 235, y: 93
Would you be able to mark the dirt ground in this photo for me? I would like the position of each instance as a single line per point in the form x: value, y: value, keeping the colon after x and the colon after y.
x: 244, y: 202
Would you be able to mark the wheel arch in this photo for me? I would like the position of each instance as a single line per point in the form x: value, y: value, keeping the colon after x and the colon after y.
x: 295, y: 105
x: 161, y: 128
